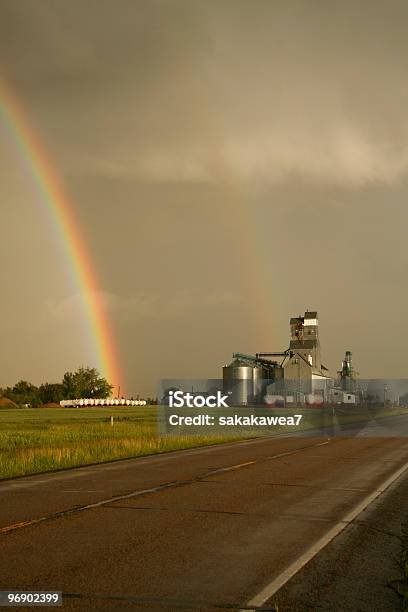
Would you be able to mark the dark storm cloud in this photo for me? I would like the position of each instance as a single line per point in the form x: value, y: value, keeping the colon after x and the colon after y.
x: 158, y: 114
x: 233, y: 91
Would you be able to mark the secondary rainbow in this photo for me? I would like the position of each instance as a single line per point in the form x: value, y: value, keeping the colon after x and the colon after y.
x: 60, y: 210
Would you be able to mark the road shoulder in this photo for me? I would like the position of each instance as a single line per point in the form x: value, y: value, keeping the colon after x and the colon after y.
x: 355, y: 570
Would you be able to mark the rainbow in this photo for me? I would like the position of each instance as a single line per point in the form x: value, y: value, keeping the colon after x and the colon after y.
x: 61, y: 213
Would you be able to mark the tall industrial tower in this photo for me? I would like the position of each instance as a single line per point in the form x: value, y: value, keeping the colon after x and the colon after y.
x: 304, y: 339
x: 347, y: 374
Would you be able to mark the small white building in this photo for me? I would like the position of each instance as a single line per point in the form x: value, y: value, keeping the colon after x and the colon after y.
x: 338, y: 396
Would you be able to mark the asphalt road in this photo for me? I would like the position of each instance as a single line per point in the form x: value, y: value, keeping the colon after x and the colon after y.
x: 203, y: 529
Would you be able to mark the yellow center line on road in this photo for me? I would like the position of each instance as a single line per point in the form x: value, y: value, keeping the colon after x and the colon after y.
x: 161, y: 487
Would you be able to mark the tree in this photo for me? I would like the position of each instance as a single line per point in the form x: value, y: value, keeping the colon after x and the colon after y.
x: 24, y: 392
x: 51, y: 393
x: 85, y: 382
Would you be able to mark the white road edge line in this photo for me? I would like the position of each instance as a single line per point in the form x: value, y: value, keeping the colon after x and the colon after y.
x: 278, y: 582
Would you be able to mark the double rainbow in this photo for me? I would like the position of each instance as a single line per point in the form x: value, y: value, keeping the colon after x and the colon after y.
x: 60, y: 210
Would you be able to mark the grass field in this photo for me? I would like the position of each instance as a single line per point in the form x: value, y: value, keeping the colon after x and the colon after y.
x: 34, y: 440
x: 43, y: 439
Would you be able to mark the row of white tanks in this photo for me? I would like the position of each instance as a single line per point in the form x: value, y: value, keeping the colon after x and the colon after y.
x: 110, y: 401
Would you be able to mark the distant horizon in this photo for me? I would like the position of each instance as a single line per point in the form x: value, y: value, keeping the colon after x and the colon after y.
x: 332, y: 372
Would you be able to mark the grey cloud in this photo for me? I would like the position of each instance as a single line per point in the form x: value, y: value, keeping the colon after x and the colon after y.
x: 142, y: 305
x: 231, y: 163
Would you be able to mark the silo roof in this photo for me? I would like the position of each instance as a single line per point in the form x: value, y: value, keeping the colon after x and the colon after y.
x: 237, y: 363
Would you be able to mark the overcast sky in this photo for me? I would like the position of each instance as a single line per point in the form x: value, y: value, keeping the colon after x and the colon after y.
x: 232, y: 163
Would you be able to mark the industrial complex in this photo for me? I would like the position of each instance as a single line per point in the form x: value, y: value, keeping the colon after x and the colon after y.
x: 295, y: 375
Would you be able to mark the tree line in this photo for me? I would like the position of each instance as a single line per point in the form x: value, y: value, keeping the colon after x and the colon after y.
x: 85, y: 382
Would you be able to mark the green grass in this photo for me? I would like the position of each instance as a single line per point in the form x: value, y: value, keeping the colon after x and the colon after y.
x: 44, y: 439
x: 34, y: 440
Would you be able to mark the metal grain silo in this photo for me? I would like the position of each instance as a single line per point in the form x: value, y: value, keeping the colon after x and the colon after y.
x: 238, y: 382
x: 260, y: 376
